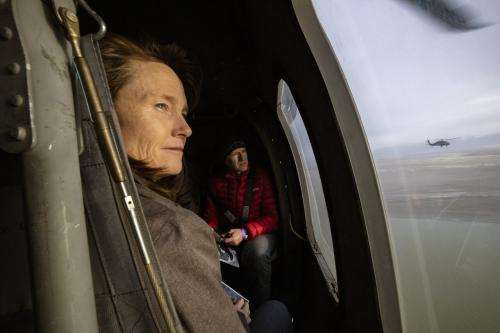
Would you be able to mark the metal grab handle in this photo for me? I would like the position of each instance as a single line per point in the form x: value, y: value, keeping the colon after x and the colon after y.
x: 70, y: 21
x: 102, y: 25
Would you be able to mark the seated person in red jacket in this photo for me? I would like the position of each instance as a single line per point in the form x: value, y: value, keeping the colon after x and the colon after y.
x: 241, y: 207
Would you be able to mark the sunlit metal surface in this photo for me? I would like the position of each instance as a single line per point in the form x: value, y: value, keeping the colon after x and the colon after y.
x: 60, y: 265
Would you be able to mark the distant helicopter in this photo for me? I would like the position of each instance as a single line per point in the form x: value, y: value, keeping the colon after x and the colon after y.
x: 440, y: 143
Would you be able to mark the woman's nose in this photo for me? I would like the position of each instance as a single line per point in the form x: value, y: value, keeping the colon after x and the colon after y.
x: 182, y: 128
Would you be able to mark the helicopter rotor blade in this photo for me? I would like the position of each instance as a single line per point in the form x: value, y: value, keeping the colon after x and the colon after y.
x: 458, y: 17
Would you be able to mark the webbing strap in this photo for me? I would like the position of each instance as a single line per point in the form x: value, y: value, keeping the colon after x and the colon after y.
x: 248, y: 197
x: 228, y: 214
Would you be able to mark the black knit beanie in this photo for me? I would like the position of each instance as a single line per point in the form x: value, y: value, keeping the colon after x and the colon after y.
x: 234, y: 145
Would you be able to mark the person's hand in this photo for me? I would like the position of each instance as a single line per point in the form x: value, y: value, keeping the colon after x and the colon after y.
x: 243, y: 307
x: 233, y: 237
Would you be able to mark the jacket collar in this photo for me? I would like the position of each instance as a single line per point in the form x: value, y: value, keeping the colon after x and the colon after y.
x: 231, y: 174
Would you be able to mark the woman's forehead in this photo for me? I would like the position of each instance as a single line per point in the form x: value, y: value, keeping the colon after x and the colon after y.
x: 155, y: 74
x: 154, y: 79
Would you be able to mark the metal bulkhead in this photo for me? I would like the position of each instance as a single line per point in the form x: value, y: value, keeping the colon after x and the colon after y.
x: 63, y: 295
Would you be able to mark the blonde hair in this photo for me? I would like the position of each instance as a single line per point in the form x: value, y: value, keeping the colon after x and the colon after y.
x: 118, y: 53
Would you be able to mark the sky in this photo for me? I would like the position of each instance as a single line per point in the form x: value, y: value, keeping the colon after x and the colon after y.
x: 411, y: 77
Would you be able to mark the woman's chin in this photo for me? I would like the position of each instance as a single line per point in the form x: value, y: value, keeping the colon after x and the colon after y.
x: 172, y: 169
x: 170, y: 162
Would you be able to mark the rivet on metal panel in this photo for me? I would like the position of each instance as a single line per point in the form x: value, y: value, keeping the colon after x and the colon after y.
x: 14, y: 68
x: 17, y: 101
x: 19, y: 133
x: 6, y: 33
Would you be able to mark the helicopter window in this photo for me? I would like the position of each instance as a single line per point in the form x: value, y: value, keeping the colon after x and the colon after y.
x: 427, y: 92
x: 317, y: 220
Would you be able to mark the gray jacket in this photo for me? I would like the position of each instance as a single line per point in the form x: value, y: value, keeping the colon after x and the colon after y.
x: 189, y: 260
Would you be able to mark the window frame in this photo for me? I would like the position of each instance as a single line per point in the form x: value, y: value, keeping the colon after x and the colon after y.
x: 356, y: 144
x: 315, y: 209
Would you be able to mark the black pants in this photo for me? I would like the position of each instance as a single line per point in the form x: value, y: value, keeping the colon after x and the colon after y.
x: 270, y: 317
x: 255, y: 261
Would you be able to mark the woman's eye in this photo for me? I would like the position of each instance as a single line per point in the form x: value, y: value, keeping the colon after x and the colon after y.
x: 161, y: 106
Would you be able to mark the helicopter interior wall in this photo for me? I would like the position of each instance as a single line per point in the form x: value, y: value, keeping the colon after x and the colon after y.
x: 245, y: 48
x: 15, y: 303
x: 278, y: 36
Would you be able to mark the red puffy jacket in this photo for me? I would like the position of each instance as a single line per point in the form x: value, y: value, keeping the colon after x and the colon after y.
x: 228, y: 192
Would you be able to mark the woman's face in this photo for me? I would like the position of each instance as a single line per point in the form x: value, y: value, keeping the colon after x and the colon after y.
x: 151, y: 109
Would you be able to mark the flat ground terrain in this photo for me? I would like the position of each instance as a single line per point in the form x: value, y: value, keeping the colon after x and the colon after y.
x: 444, y: 219
x: 446, y: 186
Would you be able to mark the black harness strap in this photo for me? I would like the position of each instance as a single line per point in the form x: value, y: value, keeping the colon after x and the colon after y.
x: 248, y: 197
x: 221, y: 207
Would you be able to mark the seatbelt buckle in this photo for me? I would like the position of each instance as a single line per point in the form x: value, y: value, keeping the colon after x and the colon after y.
x: 230, y: 216
x: 246, y: 212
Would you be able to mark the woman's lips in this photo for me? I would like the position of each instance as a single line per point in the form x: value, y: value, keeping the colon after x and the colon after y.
x: 179, y: 149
